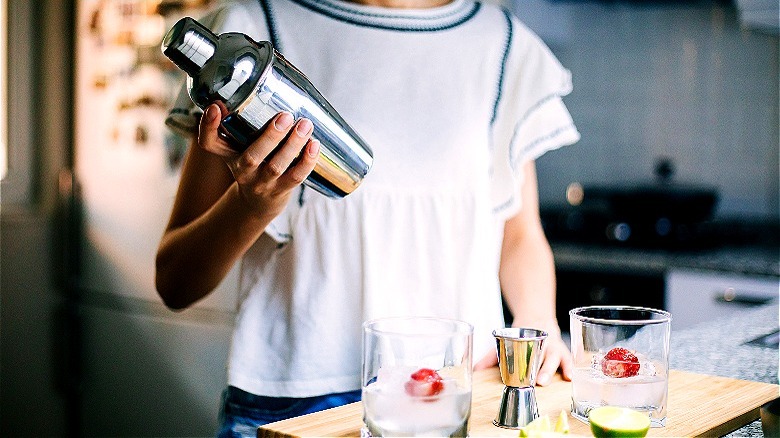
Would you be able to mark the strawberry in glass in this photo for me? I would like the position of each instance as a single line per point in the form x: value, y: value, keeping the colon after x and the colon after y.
x: 620, y: 362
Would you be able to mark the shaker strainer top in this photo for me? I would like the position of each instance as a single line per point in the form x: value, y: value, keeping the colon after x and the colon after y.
x: 228, y: 72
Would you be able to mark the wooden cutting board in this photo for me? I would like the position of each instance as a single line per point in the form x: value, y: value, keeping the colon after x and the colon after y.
x: 699, y: 405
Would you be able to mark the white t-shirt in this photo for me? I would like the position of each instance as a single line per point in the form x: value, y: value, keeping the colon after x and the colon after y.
x: 452, y: 100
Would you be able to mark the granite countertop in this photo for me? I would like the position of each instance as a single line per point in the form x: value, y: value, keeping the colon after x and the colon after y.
x: 748, y: 260
x: 718, y: 348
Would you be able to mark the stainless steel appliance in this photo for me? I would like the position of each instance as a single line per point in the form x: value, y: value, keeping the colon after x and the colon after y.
x: 650, y: 215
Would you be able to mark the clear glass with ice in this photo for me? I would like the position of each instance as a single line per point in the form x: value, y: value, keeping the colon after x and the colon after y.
x: 416, y: 377
x: 621, y: 358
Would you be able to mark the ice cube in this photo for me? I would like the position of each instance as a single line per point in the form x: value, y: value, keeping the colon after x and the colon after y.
x: 647, y: 368
x: 392, y: 379
x: 638, y: 392
x: 595, y: 360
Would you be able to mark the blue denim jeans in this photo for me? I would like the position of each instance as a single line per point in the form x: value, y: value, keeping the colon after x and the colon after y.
x: 242, y: 412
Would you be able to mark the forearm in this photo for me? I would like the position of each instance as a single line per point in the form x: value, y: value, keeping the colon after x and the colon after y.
x: 194, y: 258
x: 527, y: 271
x: 527, y: 277
x: 226, y: 199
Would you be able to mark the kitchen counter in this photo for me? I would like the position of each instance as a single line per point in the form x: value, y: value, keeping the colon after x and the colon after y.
x: 695, y: 285
x: 698, y: 405
x: 741, y: 259
x: 713, y: 348
x: 718, y: 348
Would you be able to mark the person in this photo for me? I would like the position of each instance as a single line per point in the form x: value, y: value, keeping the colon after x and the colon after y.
x: 456, y: 99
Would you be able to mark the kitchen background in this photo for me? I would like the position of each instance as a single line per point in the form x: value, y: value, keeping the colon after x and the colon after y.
x: 673, y: 99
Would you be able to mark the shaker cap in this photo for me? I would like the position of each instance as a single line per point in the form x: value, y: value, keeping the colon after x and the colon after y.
x: 189, y: 45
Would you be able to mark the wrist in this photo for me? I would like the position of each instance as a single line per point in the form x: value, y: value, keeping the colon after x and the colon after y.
x: 248, y: 209
x: 251, y: 218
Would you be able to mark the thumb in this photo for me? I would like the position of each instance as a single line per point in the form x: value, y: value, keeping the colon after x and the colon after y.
x: 208, y: 133
x: 490, y: 360
x: 550, y: 364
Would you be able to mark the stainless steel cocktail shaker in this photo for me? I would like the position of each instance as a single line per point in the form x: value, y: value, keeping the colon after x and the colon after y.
x: 255, y: 82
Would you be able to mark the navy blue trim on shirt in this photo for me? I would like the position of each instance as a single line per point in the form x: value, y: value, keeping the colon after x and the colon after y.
x: 525, y: 116
x: 271, y: 23
x: 373, y: 20
x: 536, y: 105
x: 546, y: 137
x: 504, y: 205
x: 341, y: 9
x: 184, y: 111
x: 509, y: 34
x: 513, y: 160
x: 178, y: 125
x: 301, y: 199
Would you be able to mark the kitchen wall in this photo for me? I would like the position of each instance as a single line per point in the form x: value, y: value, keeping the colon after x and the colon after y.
x: 681, y: 80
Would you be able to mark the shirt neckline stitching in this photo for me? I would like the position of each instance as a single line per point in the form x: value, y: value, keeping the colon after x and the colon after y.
x: 400, y: 22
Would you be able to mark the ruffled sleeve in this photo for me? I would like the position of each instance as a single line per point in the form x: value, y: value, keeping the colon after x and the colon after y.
x: 183, y: 118
x: 530, y: 117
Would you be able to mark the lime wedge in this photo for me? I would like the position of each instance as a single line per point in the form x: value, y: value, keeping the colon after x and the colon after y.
x: 612, y: 421
x: 537, y: 427
x: 542, y: 427
x: 562, y: 425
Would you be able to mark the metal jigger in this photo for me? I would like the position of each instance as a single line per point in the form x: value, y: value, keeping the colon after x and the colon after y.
x: 519, y: 357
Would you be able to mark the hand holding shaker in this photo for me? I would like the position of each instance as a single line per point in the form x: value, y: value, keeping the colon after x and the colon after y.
x: 255, y: 82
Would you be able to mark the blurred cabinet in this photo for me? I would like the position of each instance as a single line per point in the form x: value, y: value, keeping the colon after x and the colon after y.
x: 146, y: 373
x: 695, y: 296
x: 584, y: 287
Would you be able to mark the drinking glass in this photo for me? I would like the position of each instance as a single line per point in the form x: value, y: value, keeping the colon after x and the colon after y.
x: 416, y: 377
x: 621, y: 358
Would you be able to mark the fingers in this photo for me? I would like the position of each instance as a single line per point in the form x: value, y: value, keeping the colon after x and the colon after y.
x: 490, y: 360
x: 245, y: 167
x: 269, y: 159
x: 549, y: 366
x: 297, y: 173
x: 281, y: 159
x: 208, y: 133
x: 283, y: 156
x: 555, y: 356
x: 567, y: 365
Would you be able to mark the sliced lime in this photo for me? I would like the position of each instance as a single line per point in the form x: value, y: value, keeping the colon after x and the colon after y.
x: 542, y: 427
x: 562, y: 425
x: 536, y: 427
x: 612, y: 421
